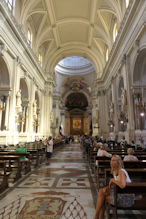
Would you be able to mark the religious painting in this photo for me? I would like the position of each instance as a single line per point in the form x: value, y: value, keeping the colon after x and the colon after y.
x: 76, y: 123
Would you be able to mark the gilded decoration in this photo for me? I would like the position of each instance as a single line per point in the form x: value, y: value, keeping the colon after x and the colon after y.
x: 77, y: 124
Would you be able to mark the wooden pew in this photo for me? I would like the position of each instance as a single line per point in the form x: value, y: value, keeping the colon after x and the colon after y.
x: 25, y: 164
x: 135, y: 174
x: 104, y: 164
x: 137, y: 188
x: 34, y: 156
x: 12, y: 159
x: 4, y: 174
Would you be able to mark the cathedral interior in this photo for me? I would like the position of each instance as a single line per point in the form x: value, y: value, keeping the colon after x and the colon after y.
x: 78, y: 66
x: 70, y: 69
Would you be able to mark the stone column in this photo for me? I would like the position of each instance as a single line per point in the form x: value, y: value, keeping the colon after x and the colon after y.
x: 48, y: 107
x: 12, y: 103
x: 57, y: 114
x: 30, y: 110
x: 130, y: 127
x: 1, y: 106
x: 115, y: 101
x: 62, y: 114
x: 103, y: 114
x: 7, y: 113
x: 95, y: 115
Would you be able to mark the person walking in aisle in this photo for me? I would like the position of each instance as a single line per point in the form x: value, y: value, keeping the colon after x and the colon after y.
x: 49, y: 149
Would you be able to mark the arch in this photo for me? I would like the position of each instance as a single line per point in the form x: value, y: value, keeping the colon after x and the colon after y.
x: 139, y: 75
x: 4, y: 74
x: 76, y: 100
x: 75, y: 51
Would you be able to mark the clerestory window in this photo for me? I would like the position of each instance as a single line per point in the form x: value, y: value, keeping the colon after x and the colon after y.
x: 115, y: 32
x: 11, y: 4
x: 127, y: 3
x: 107, y: 55
x: 40, y: 59
x: 29, y: 37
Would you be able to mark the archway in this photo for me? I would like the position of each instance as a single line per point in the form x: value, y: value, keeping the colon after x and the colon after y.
x: 4, y: 94
x: 139, y: 87
x: 22, y: 114
x: 77, y: 117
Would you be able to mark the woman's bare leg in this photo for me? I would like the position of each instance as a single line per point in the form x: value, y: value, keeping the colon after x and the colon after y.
x: 100, y: 205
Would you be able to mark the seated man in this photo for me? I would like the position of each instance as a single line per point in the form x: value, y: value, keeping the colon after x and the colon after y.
x: 130, y: 156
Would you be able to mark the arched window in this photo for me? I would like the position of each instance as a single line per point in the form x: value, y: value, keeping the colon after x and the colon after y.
x: 40, y: 59
x: 107, y: 55
x: 127, y: 3
x: 11, y: 4
x: 29, y: 37
x: 115, y: 32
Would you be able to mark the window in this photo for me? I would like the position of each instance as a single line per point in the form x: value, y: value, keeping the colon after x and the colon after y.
x: 29, y: 38
x: 11, y: 4
x: 115, y: 32
x: 107, y: 55
x: 40, y: 59
x: 127, y: 3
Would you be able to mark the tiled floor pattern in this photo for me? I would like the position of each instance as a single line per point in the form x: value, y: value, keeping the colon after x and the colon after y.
x: 62, y: 190
x: 58, y: 191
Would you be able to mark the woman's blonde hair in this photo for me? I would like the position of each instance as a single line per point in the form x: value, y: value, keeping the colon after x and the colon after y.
x: 120, y: 164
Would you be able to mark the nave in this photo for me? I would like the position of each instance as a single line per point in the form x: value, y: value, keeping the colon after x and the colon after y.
x: 65, y: 189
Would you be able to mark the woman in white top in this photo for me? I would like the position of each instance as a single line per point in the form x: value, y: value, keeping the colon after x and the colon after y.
x: 102, y: 151
x: 120, y: 178
x: 130, y: 156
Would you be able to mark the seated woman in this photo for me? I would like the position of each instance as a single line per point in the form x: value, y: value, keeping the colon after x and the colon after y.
x: 20, y: 149
x: 102, y: 151
x: 130, y: 156
x: 120, y: 178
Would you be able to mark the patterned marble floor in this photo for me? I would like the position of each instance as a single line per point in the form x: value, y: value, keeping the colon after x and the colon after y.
x: 58, y: 191
x: 62, y: 190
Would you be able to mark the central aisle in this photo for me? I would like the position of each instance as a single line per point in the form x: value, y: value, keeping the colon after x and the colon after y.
x: 58, y: 191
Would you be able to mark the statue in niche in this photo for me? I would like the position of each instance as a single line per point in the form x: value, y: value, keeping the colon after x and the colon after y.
x: 51, y: 116
x: 124, y: 101
x: 97, y: 115
x: 35, y: 108
x: 18, y: 98
x: 112, y: 111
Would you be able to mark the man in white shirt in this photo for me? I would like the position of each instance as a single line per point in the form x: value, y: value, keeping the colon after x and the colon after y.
x: 49, y: 149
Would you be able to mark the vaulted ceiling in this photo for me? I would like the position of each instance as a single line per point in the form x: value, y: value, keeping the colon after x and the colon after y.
x: 63, y: 28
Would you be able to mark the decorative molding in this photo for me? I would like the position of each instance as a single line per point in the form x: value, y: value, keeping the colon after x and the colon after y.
x: 3, y: 48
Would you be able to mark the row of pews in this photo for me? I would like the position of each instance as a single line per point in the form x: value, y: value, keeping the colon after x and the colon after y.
x: 100, y: 167
x: 13, y: 167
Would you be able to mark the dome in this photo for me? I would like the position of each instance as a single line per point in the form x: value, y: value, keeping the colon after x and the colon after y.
x: 74, y: 65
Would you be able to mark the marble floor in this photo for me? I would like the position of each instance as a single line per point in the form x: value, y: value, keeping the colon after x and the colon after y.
x: 57, y: 191
x: 62, y: 190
